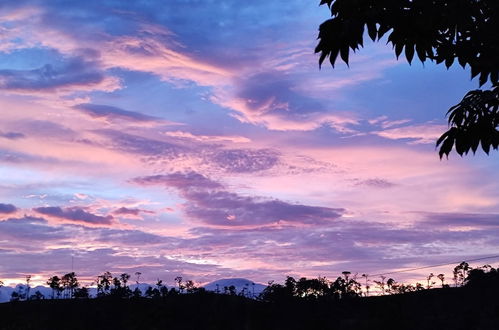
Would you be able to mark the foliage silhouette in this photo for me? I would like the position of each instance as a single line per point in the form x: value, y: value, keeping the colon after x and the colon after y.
x: 69, y: 283
x: 297, y: 304
x: 55, y: 284
x: 440, y: 31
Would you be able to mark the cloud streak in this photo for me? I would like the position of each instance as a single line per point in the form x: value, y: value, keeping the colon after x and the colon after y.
x: 75, y: 214
x: 106, y: 112
x: 210, y: 203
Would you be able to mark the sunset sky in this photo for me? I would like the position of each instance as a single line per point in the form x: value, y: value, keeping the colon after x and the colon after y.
x: 201, y: 139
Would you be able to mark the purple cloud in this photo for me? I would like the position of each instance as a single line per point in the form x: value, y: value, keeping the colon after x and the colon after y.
x: 124, y: 211
x: 7, y: 208
x: 109, y: 112
x: 12, y: 135
x: 31, y: 229
x: 71, y: 72
x: 229, y: 209
x: 375, y: 183
x: 208, y: 202
x: 245, y: 160
x: 181, y: 181
x: 462, y: 219
x: 75, y: 213
x: 271, y: 92
x: 143, y: 146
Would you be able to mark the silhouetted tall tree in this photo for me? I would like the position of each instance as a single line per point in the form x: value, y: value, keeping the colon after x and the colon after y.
x: 55, y: 284
x: 460, y: 273
x: 381, y: 284
x: 429, y: 282
x: 439, y: 31
x: 180, y: 284
x: 69, y: 283
x: 441, y: 277
x: 104, y: 283
x: 367, y: 286
x: 28, y: 279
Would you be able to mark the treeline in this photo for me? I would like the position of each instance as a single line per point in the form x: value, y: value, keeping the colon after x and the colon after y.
x: 346, y: 286
x: 106, y: 285
x: 352, y: 286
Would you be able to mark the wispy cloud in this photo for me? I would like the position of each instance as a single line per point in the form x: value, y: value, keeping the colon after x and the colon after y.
x: 111, y: 113
x: 416, y: 134
x: 207, y: 138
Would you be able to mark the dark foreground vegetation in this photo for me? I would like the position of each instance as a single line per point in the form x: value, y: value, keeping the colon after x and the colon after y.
x: 301, y: 304
x: 451, y: 308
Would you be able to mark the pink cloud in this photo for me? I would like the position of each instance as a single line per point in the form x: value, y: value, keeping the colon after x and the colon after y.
x: 207, y: 138
x: 154, y: 50
x: 419, y: 134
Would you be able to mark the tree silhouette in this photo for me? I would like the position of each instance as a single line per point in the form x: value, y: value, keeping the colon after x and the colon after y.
x: 81, y: 293
x: 439, y: 31
x: 55, y: 284
x: 180, y: 284
x: 381, y: 284
x: 391, y: 285
x: 441, y: 277
x: 28, y: 279
x: 137, y: 293
x: 37, y: 296
x: 104, y: 283
x: 69, y: 283
x: 120, y: 288
x: 485, y: 277
x: 429, y: 282
x: 124, y: 279
x: 15, y: 296
x: 460, y: 273
x: 190, y: 286
x: 367, y: 286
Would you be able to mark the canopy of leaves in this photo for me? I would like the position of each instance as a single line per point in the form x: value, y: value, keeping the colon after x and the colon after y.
x: 474, y: 121
x: 442, y: 31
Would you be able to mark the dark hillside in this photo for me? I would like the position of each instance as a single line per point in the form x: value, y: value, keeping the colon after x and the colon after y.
x: 452, y: 308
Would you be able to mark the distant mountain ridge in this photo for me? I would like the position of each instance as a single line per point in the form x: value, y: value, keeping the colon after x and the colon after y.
x: 241, y: 285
